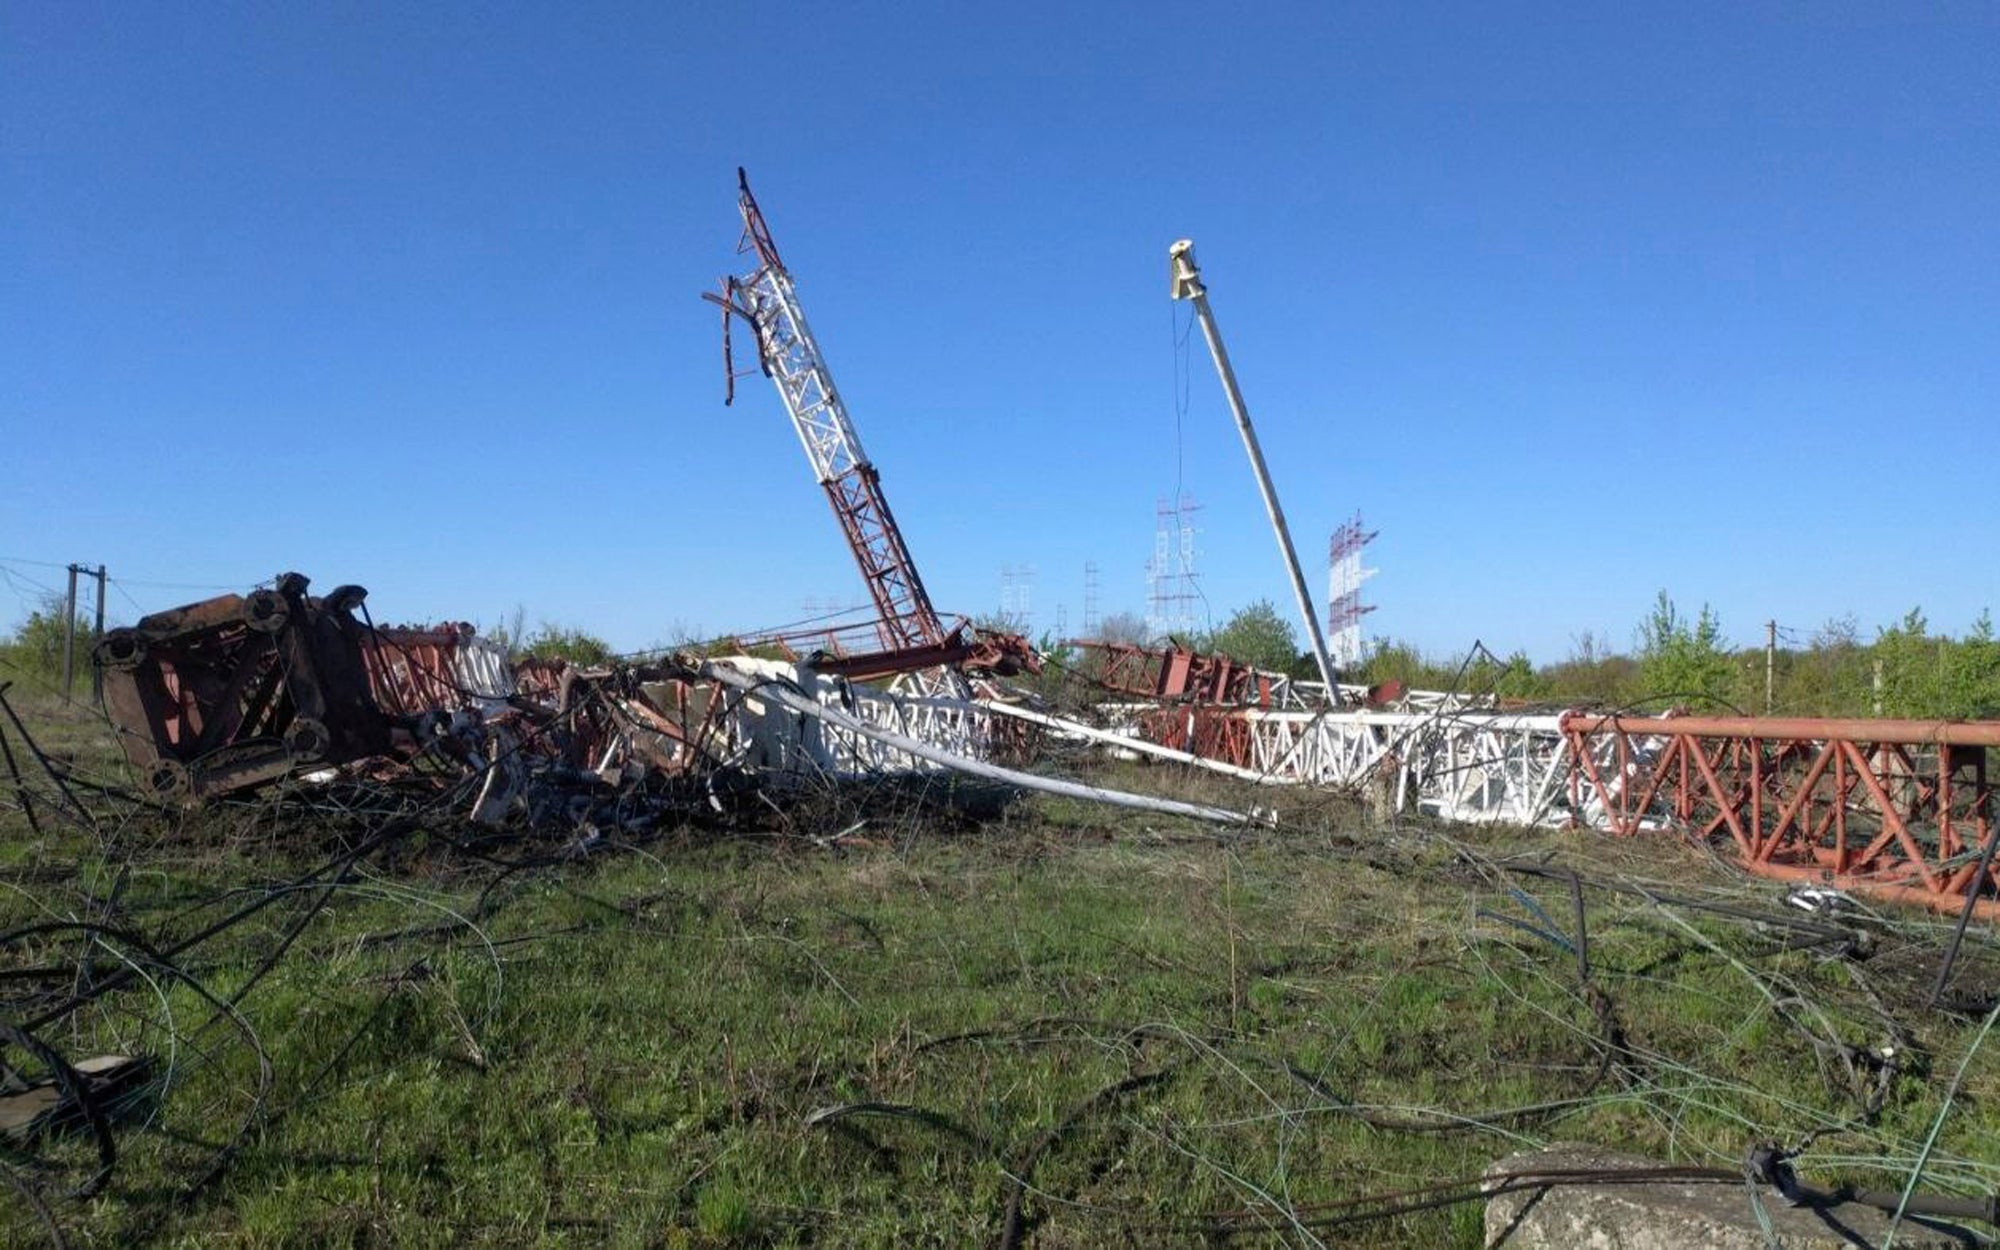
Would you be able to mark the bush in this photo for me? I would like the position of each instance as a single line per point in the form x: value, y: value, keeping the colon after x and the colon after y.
x: 561, y: 642
x: 37, y: 642
x: 1684, y: 660
x: 1261, y: 638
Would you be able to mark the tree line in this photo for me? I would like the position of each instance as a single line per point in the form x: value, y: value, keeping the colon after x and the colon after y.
x: 1904, y: 670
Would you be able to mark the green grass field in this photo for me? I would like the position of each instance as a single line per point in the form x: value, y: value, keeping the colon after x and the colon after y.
x: 1059, y: 1027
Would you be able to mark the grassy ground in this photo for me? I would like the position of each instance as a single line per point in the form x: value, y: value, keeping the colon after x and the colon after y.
x: 1079, y: 1027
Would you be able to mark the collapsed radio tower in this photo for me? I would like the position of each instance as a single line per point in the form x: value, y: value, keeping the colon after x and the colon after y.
x: 788, y: 354
x: 1172, y: 590
x: 1344, y: 608
x: 913, y: 639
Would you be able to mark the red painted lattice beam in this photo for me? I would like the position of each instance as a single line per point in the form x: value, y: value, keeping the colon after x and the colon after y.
x: 1896, y: 808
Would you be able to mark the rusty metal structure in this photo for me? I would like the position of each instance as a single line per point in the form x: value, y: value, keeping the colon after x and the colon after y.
x: 234, y: 692
x: 1175, y: 673
x: 414, y: 669
x: 1179, y: 674
x: 239, y: 690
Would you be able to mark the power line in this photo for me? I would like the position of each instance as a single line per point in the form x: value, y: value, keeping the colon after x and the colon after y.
x: 13, y: 579
x: 132, y: 581
x: 119, y: 586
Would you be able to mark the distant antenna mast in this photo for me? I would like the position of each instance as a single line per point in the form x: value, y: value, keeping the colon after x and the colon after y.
x: 1172, y: 588
x: 1017, y: 595
x: 1089, y: 599
x: 1187, y: 285
x: 1344, y: 608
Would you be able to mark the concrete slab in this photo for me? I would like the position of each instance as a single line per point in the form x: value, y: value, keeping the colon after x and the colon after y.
x: 1676, y: 1215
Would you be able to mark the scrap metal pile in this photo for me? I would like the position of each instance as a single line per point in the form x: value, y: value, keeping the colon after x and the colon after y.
x: 237, y: 692
x: 288, y: 725
x: 1899, y: 809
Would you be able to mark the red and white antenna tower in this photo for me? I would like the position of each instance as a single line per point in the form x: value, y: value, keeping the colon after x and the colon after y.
x: 790, y: 357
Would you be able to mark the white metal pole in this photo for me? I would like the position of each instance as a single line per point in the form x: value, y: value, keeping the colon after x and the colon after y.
x: 1187, y: 285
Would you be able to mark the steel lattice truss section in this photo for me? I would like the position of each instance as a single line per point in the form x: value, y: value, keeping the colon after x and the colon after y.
x: 791, y: 357
x: 762, y: 735
x: 1897, y: 809
x: 1901, y: 809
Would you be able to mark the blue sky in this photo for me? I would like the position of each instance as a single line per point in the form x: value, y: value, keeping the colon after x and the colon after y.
x: 1573, y: 304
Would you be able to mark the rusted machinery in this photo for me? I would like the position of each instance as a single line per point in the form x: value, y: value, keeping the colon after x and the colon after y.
x: 240, y: 689
x: 222, y: 696
x: 234, y: 692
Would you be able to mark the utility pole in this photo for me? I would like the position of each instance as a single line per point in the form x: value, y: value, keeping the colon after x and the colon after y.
x: 69, y: 629
x: 1187, y: 285
x: 1770, y: 664
x: 96, y: 673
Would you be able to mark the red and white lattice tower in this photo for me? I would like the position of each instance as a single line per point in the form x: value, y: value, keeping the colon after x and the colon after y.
x: 1344, y: 608
x: 788, y: 354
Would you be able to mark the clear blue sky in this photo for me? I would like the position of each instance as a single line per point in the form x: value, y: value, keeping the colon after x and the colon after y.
x: 1574, y: 305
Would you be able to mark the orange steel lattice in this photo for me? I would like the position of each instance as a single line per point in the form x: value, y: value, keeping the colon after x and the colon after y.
x: 1901, y: 809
